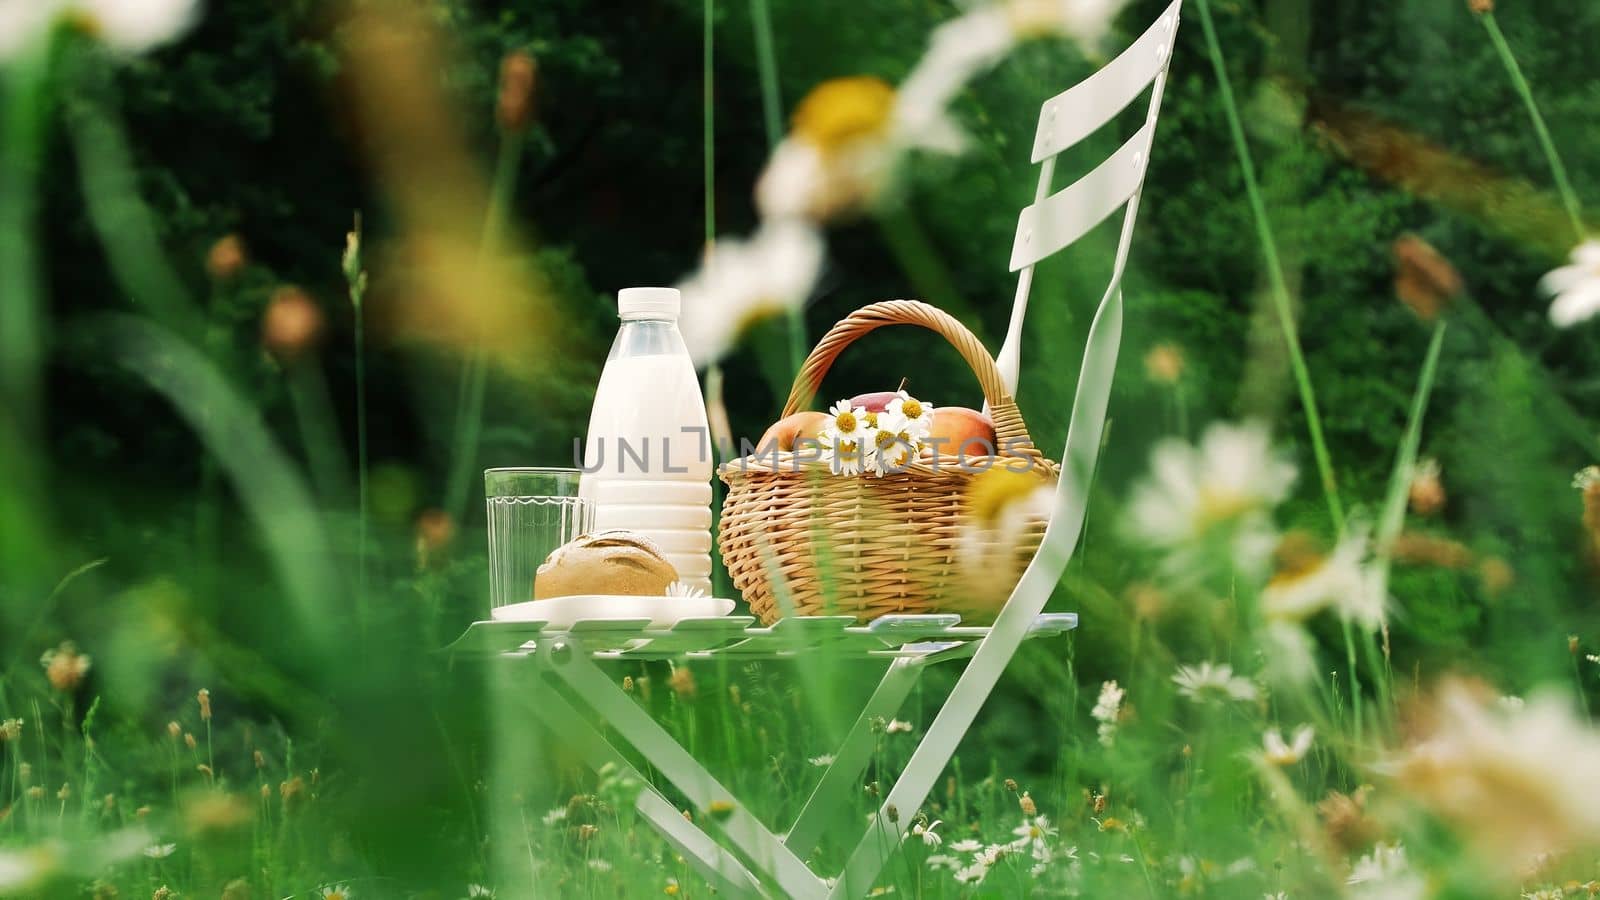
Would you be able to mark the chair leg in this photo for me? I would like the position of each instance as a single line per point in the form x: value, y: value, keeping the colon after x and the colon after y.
x: 853, y: 755
x: 1011, y: 627
x: 719, y: 867
x: 711, y: 800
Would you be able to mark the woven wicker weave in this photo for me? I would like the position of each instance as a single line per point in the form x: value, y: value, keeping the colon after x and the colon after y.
x: 798, y: 540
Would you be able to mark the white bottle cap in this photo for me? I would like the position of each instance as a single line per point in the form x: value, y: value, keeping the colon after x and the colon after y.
x: 648, y: 303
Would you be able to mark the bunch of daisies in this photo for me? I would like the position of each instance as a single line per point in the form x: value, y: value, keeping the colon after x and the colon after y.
x: 856, y: 440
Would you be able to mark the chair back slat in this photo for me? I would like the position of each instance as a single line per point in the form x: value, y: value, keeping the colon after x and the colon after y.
x: 1080, y: 110
x: 1052, y: 224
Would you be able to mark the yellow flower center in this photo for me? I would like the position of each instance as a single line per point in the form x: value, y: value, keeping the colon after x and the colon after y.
x: 996, y: 488
x: 871, y: 419
x: 885, y: 439
x: 911, y: 409
x: 1216, y: 507
x: 842, y: 110
x: 846, y: 421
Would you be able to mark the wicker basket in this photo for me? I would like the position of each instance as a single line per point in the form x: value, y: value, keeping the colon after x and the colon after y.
x: 798, y: 540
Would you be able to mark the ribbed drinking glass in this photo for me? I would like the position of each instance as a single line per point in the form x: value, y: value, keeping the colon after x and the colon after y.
x: 532, y: 511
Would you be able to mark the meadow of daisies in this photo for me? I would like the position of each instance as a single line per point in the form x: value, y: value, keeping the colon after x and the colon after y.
x: 278, y: 280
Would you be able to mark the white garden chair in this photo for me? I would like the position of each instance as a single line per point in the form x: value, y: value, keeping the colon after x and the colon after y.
x: 574, y: 695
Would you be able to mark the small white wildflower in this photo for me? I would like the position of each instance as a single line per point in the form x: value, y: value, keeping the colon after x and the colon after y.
x: 1106, y: 710
x: 1341, y: 580
x: 967, y: 845
x: 942, y: 861
x: 897, y: 726
x: 336, y: 892
x: 684, y: 591
x: 479, y: 891
x: 1575, y: 287
x: 1585, y: 478
x: 559, y: 814
x: 822, y: 761
x: 972, y: 874
x: 1281, y: 753
x: 160, y: 851
x: 1207, y: 682
x: 599, y: 865
x: 929, y: 837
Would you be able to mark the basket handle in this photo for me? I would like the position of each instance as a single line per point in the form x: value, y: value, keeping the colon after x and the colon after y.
x: 1009, y: 429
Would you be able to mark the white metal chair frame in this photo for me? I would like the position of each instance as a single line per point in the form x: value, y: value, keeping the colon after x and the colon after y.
x: 756, y: 861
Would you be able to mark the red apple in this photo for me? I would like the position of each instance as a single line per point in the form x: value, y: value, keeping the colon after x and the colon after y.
x: 789, y: 430
x: 959, y: 431
x: 877, y: 401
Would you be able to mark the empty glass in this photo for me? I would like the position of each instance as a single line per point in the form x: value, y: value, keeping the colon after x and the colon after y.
x: 532, y: 511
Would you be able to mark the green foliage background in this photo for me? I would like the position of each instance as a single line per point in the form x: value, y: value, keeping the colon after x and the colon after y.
x: 245, y: 127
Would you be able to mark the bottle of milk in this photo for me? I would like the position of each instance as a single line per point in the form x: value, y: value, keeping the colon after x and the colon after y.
x: 647, y: 458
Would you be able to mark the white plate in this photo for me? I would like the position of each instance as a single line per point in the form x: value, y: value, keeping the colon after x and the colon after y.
x: 561, y: 612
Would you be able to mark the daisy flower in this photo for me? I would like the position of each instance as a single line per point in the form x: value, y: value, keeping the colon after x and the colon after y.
x: 942, y: 861
x: 1575, y: 287
x: 1281, y: 753
x: 335, y: 892
x: 929, y: 837
x: 160, y: 851
x: 822, y: 761
x: 555, y: 816
x: 1207, y: 682
x: 972, y: 874
x: 1225, y: 488
x: 475, y: 891
x: 685, y: 591
x: 915, y: 416
x: 742, y: 282
x: 1307, y: 583
x: 127, y: 26
x: 892, y: 445
x: 897, y: 726
x: 967, y: 845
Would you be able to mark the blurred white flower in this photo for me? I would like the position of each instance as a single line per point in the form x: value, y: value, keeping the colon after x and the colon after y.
x: 160, y: 851
x: 965, y: 47
x: 1207, y: 682
x: 1227, y: 487
x: 336, y: 892
x: 1519, y: 782
x: 129, y: 26
x: 967, y: 845
x: 23, y: 869
x: 927, y: 833
x: 1307, y: 584
x: 897, y: 726
x: 1575, y: 287
x: 822, y: 761
x: 1280, y: 753
x: 599, y: 865
x: 972, y: 874
x: 555, y: 816
x: 744, y: 281
x: 942, y: 861
x: 1386, y: 874
x: 1585, y: 478
x: 479, y: 891
x: 1106, y: 709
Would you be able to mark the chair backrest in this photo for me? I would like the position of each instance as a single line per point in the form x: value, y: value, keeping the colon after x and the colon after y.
x: 1056, y: 220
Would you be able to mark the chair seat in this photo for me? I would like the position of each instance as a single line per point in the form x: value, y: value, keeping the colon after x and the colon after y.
x: 889, y: 637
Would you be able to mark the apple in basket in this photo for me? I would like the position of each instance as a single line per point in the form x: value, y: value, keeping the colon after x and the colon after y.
x: 959, y: 431
x: 791, y: 429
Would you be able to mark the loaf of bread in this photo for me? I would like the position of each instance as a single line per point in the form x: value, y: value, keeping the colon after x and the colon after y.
x: 605, y: 562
